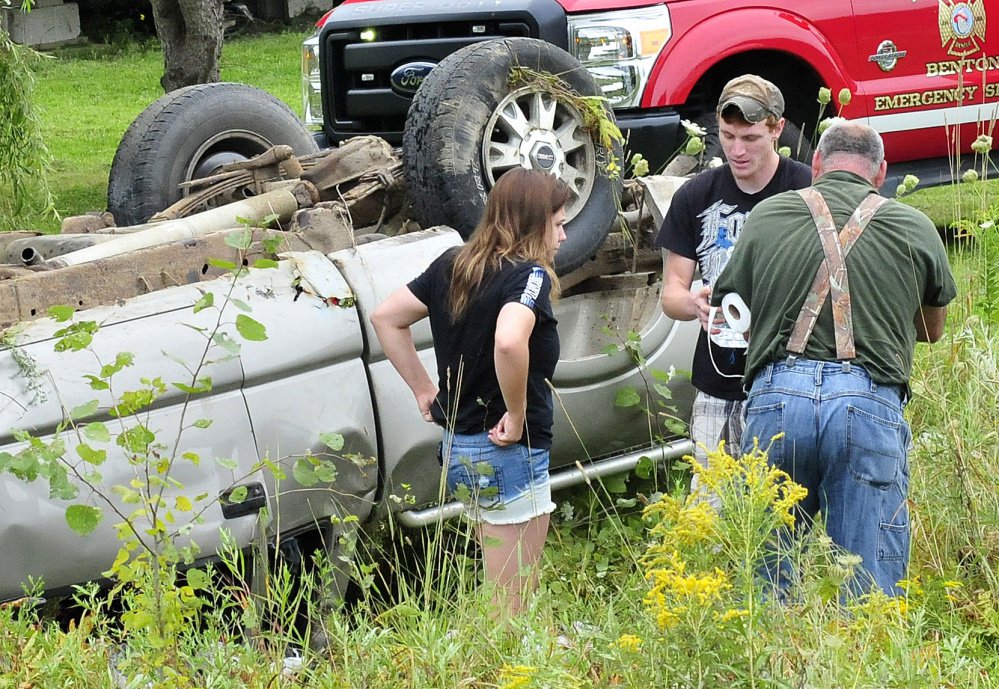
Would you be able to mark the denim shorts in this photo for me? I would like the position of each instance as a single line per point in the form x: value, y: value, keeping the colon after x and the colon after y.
x: 498, y: 485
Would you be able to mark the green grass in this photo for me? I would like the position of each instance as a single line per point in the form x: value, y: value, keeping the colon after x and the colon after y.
x: 944, y: 203
x: 89, y: 96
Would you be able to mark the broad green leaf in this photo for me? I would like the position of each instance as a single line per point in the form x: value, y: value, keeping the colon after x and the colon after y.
x: 61, y: 313
x: 610, y: 349
x: 96, y: 383
x: 250, y: 329
x: 616, y: 484
x: 97, y: 432
x: 75, y: 337
x: 84, y: 410
x: 227, y: 463
x: 198, y: 579
x: 240, y: 240
x: 644, y: 468
x: 305, y: 473
x: 119, y: 560
x: 627, y: 397
x: 663, y: 390
x: 222, y: 265
x: 240, y: 304
x: 462, y: 493
x: 676, y: 426
x: 272, y: 244
x: 265, y: 263
x: 223, y: 340
x: 59, y: 485
x: 237, y: 495
x: 192, y: 457
x: 133, y: 401
x: 74, y: 342
x: 90, y: 455
x: 202, y: 423
x: 333, y: 441
x: 136, y: 439
x: 121, y: 361
x: 660, y: 375
x: 83, y: 519
x: 128, y: 496
x: 182, y: 504
x: 206, y: 302
x: 201, y: 385
x: 326, y: 472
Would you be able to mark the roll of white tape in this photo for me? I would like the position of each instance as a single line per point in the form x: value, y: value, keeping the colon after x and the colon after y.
x: 736, y: 312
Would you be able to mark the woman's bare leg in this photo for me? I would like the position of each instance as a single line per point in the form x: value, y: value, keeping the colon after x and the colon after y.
x: 510, y: 554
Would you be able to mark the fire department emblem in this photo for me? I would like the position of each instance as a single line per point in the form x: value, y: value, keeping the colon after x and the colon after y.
x: 962, y: 26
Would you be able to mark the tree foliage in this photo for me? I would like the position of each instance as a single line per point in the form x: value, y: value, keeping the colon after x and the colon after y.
x: 24, y: 159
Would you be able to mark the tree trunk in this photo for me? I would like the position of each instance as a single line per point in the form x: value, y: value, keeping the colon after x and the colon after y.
x: 190, y: 32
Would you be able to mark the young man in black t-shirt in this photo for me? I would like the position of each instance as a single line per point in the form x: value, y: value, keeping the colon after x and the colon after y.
x: 699, y: 232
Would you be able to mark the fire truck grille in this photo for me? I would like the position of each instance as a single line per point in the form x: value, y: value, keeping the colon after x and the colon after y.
x: 361, y: 98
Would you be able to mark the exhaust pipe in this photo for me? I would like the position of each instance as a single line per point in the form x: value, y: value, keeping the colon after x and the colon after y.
x: 563, y: 478
x: 281, y: 202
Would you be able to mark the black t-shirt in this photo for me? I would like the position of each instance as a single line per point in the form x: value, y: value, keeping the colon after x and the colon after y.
x: 703, y: 224
x: 470, y: 399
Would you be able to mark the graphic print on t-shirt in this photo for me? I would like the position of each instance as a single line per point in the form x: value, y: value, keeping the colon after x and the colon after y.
x: 533, y: 287
x: 720, y: 227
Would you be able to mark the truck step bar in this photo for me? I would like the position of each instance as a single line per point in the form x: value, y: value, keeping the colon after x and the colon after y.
x: 565, y: 478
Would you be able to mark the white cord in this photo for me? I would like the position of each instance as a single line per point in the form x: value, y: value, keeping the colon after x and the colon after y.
x: 711, y: 319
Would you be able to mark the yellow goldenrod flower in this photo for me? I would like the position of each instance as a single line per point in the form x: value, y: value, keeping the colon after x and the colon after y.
x: 731, y: 614
x: 627, y: 642
x: 516, y: 676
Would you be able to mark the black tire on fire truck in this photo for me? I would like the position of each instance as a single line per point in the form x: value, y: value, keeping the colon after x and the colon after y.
x: 190, y: 133
x: 468, y: 125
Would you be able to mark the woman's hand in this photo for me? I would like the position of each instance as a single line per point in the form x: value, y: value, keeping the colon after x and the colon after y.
x: 508, y: 431
x: 426, y: 402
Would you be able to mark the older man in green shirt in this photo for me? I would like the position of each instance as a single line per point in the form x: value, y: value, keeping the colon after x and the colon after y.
x: 841, y: 283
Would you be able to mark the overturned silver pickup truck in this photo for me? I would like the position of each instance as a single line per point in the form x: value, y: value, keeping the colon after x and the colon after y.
x: 217, y: 367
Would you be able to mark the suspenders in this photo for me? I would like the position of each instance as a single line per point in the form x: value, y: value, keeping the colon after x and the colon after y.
x: 831, y: 276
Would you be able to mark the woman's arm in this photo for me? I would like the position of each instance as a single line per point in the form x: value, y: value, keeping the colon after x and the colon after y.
x: 392, y: 320
x: 511, y: 357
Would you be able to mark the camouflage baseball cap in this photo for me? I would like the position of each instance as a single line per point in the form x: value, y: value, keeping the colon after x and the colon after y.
x: 755, y: 97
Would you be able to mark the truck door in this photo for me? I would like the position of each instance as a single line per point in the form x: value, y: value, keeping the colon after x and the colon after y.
x: 925, y: 66
x: 39, y: 387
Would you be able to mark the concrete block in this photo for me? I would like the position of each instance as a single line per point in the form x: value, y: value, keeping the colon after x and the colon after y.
x: 299, y: 7
x: 286, y: 9
x: 45, y: 25
x: 38, y: 4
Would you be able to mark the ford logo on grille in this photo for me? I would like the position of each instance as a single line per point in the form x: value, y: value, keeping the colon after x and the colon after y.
x: 408, y: 77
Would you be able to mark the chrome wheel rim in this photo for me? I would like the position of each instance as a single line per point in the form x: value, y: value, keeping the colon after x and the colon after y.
x: 533, y: 130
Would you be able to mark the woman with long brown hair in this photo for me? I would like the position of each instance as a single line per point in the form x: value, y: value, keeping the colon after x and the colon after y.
x: 496, y: 345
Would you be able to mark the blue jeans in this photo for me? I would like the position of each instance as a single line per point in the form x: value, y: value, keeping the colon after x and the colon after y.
x: 846, y: 441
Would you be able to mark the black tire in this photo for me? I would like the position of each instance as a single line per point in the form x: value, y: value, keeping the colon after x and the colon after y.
x: 456, y: 115
x: 791, y: 136
x: 190, y: 132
